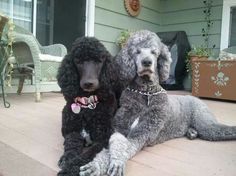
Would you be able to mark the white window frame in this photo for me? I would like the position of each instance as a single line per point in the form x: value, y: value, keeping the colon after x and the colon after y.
x: 225, y: 25
x: 90, y: 18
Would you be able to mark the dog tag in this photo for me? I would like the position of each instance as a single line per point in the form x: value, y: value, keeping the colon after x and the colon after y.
x: 92, y: 106
x: 148, y: 100
x: 75, y: 108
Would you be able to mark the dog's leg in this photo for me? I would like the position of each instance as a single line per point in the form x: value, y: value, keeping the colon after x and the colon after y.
x: 101, y: 139
x: 73, y: 146
x: 98, y: 166
x: 72, y: 160
x: 87, y: 155
x: 121, y: 149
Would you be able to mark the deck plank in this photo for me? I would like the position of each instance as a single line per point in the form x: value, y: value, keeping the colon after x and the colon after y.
x: 14, y: 163
x: 33, y: 130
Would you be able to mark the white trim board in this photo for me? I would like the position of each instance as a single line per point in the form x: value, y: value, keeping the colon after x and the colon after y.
x: 225, y: 25
x: 90, y: 15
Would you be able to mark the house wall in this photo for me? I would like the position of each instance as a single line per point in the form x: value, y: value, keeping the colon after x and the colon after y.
x: 157, y: 15
x: 111, y: 18
x: 187, y: 15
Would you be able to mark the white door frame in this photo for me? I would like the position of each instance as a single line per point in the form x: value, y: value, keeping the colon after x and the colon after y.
x: 90, y: 18
x: 34, y: 16
x: 225, y: 25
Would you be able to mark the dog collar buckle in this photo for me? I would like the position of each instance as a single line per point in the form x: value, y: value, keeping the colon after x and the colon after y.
x: 92, y: 105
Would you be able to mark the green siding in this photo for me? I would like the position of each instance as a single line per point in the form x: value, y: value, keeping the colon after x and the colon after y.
x: 179, y: 5
x: 187, y: 15
x: 111, y: 18
x: 157, y: 15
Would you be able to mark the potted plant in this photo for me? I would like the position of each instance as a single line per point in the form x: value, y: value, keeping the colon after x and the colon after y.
x: 204, y: 51
x: 197, y: 53
x: 7, y: 57
x: 123, y: 38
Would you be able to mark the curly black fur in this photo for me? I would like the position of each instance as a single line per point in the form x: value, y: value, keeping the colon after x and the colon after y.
x: 96, y: 122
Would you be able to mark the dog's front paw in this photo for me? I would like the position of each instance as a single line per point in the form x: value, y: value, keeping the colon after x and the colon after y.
x: 116, y: 168
x: 66, y: 158
x: 90, y: 169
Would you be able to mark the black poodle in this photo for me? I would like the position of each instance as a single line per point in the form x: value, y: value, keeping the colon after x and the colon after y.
x: 88, y: 81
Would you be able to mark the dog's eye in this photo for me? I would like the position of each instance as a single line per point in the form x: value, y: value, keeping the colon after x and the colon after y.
x: 153, y: 51
x: 138, y: 51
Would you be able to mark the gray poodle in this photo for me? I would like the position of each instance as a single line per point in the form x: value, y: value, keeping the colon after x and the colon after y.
x: 147, y: 115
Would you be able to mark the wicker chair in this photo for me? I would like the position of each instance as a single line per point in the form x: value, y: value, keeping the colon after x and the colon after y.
x: 40, y: 62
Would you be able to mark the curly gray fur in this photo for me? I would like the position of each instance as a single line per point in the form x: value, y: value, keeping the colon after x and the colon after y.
x: 142, y: 39
x: 154, y: 117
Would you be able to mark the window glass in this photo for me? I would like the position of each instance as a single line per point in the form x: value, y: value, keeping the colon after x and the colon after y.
x: 44, y: 31
x: 232, y: 38
x: 19, y: 10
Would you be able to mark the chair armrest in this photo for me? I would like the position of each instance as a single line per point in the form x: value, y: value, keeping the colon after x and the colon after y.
x: 55, y: 50
x: 28, y: 46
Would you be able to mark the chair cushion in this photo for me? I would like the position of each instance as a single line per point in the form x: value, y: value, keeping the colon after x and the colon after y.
x: 47, y: 57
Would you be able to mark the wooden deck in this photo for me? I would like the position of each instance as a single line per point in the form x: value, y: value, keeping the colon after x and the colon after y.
x: 31, y: 143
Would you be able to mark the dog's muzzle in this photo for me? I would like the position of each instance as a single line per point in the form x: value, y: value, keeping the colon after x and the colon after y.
x: 146, y: 72
x: 89, y: 86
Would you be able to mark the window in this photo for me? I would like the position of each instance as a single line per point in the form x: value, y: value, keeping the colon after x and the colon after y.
x: 228, y: 26
x: 19, y: 10
x: 232, y: 36
x: 44, y: 22
x: 31, y: 15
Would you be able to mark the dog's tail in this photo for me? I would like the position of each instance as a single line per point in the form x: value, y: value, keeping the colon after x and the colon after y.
x: 216, y: 132
x: 206, y: 125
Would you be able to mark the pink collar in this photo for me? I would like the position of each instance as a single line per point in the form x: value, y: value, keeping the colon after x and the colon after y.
x: 84, y: 102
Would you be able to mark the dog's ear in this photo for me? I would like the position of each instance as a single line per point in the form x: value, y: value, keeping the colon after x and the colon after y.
x: 68, y: 77
x: 108, y: 73
x: 163, y: 63
x: 125, y: 64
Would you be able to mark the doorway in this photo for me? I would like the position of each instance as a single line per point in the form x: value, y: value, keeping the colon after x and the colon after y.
x: 69, y: 21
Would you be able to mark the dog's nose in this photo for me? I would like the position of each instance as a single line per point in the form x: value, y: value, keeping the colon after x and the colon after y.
x: 88, y: 85
x: 146, y: 63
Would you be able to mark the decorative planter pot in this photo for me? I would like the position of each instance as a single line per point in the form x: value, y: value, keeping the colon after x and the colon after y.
x: 214, y: 79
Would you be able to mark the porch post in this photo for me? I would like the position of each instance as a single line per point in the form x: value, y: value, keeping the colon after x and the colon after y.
x: 90, y: 15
